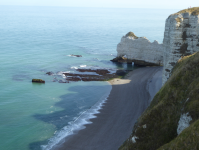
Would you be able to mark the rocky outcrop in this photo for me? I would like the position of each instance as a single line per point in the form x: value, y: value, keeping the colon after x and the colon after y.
x: 38, y: 80
x: 85, y: 75
x: 139, y: 50
x: 181, y: 38
x: 94, y: 75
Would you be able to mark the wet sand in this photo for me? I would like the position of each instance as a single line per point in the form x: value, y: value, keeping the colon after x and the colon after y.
x: 129, y: 97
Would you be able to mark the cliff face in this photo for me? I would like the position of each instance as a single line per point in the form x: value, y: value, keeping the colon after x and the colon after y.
x: 172, y: 119
x: 140, y: 50
x: 181, y: 38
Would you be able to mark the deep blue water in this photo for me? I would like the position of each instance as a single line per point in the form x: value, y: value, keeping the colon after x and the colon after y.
x: 35, y: 40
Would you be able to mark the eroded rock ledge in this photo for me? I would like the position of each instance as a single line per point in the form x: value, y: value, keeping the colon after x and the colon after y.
x: 100, y: 75
x: 90, y: 75
x: 139, y: 63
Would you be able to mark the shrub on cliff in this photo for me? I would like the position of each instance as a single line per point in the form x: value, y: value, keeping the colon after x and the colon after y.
x: 131, y: 34
x: 194, y: 11
x: 159, y: 126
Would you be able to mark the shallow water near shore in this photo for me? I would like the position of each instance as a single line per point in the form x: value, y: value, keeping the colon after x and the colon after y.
x: 35, y: 40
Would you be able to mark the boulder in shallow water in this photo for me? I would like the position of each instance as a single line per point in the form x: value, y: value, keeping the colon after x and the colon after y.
x: 38, y: 80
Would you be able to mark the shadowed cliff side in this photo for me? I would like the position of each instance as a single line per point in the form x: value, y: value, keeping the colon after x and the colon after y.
x: 172, y: 119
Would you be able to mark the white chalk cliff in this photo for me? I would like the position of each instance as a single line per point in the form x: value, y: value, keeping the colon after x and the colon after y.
x: 181, y: 38
x: 140, y: 49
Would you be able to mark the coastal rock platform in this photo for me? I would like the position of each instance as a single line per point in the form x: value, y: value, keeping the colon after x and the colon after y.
x: 90, y: 75
x: 98, y: 75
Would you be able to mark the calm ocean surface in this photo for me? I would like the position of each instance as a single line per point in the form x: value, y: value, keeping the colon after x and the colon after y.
x: 35, y: 40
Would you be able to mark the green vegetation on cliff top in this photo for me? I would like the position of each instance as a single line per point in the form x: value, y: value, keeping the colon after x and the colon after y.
x: 131, y: 34
x: 157, y: 127
x: 193, y: 11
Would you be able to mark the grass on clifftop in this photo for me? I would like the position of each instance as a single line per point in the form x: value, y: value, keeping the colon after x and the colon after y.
x: 131, y: 34
x: 193, y: 11
x: 179, y: 95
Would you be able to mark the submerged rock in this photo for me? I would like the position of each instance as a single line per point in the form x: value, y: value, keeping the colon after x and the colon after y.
x: 76, y: 55
x: 50, y: 73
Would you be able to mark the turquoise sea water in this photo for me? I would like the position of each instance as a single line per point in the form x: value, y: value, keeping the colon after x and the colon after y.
x: 35, y: 40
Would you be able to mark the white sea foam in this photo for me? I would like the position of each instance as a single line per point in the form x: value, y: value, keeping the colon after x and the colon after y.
x: 82, y: 66
x: 77, y: 67
x: 74, y: 67
x: 77, y: 124
x: 112, y: 71
x: 60, y: 73
x: 71, y: 56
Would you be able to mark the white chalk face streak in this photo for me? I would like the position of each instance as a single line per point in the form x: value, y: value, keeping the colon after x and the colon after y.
x: 134, y: 139
x: 183, y: 122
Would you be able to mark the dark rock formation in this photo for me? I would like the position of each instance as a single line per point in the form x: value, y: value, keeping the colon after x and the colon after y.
x: 86, y: 75
x: 76, y: 55
x: 140, y: 63
x: 119, y: 59
x: 50, y: 73
x: 103, y: 75
x: 98, y: 71
x: 38, y: 80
